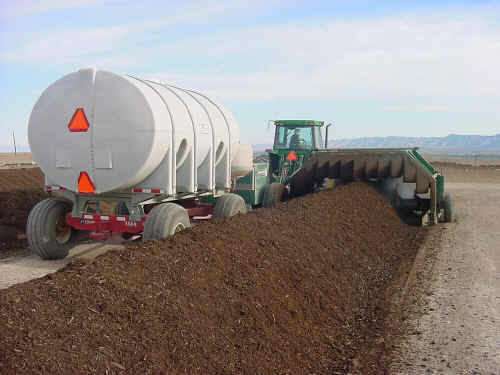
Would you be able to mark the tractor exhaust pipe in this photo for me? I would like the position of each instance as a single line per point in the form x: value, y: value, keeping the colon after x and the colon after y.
x: 326, y: 135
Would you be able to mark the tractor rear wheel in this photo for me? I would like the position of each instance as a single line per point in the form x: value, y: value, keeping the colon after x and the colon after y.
x: 448, y: 208
x: 274, y: 194
x: 229, y: 205
x: 165, y: 220
x: 48, y: 234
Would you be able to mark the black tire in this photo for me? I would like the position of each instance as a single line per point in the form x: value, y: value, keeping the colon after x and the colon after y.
x: 229, y: 205
x: 448, y: 208
x: 274, y: 194
x: 165, y: 220
x: 48, y: 235
x: 121, y: 209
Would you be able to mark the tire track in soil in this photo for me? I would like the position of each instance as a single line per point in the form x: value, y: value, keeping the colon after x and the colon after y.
x: 453, y: 309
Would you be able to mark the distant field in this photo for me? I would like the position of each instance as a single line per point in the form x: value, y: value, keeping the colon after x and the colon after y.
x: 25, y: 157
x: 466, y: 160
x: 8, y: 158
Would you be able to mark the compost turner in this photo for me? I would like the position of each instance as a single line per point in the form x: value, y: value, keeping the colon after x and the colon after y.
x: 300, y: 162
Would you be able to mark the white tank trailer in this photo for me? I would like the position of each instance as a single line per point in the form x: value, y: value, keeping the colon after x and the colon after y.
x: 99, y: 135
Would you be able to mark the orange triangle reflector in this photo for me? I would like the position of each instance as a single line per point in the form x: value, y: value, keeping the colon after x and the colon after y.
x: 291, y: 156
x: 78, y: 122
x: 85, y: 184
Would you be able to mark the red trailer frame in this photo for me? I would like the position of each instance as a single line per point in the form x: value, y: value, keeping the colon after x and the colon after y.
x: 105, y: 226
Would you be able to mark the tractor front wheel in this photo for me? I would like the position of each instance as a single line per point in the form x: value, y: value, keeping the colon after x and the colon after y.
x: 48, y: 234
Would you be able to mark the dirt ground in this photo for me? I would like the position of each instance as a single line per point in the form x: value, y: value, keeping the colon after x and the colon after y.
x: 10, y: 157
x: 20, y: 190
x: 14, y: 209
x: 452, y: 302
x: 475, y: 161
x: 453, y: 310
x: 9, y: 160
x: 21, y: 179
x: 297, y: 289
x: 442, y: 318
x: 469, y: 174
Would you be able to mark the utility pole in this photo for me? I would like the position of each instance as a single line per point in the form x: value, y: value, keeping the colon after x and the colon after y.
x: 14, y: 138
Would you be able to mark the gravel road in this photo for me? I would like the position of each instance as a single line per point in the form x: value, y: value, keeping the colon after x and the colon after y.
x: 23, y: 268
x: 457, y: 330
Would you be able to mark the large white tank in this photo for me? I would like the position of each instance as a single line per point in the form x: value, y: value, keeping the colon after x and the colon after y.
x: 136, y: 133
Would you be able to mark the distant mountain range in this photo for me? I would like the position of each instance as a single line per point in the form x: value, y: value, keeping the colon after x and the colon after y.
x: 453, y: 143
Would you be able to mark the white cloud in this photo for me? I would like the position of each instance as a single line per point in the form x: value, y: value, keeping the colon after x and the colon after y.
x: 411, y: 56
x: 61, y: 46
x: 15, y: 8
x: 417, y: 108
x: 66, y: 47
x: 414, y: 55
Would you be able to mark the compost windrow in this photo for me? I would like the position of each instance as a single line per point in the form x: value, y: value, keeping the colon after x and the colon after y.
x: 300, y: 288
x: 20, y: 190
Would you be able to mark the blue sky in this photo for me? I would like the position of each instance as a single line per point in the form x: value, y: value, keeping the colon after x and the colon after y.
x: 375, y: 68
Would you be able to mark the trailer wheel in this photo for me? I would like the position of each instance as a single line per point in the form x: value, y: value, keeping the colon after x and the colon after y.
x: 229, y: 205
x: 448, y: 208
x: 274, y: 194
x: 121, y: 209
x: 165, y: 220
x: 48, y: 234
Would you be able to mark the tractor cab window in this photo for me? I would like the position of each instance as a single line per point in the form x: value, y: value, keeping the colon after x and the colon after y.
x: 288, y: 137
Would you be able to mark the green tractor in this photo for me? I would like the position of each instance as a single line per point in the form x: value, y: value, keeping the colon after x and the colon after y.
x: 300, y: 163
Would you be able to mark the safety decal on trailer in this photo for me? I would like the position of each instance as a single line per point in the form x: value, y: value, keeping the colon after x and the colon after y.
x: 204, y: 128
x: 148, y: 191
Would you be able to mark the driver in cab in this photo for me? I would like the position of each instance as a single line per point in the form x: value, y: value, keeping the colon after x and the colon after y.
x: 296, y: 141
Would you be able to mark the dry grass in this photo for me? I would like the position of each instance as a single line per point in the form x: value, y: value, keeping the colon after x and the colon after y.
x: 474, y: 161
x: 9, y: 159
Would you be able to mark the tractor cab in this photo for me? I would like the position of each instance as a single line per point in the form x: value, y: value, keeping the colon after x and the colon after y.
x: 298, y: 135
x: 294, y: 142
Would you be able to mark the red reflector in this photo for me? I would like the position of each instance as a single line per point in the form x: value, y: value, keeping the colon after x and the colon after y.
x: 78, y: 122
x: 85, y: 184
x: 291, y: 156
